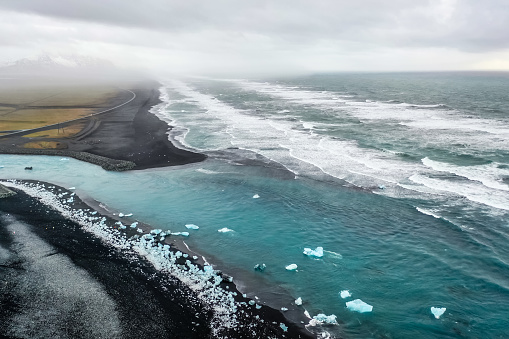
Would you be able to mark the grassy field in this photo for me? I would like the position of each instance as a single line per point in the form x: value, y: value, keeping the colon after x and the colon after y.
x: 30, y: 106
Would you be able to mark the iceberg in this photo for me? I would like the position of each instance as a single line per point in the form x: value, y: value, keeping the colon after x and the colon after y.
x: 327, y: 319
x: 224, y: 230
x: 358, y: 305
x: 298, y: 301
x: 438, y: 311
x: 291, y: 267
x: 256, y: 196
x: 192, y: 227
x: 345, y: 294
x: 184, y: 234
x: 260, y: 267
x: 317, y: 252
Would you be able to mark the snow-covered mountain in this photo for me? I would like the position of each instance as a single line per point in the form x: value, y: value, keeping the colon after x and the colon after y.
x: 57, y: 63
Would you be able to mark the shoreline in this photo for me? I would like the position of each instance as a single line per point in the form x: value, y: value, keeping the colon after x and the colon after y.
x: 124, y: 138
x: 258, y: 319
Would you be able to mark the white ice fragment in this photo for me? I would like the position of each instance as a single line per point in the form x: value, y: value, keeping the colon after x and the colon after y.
x: 64, y: 159
x: 139, y: 230
x: 284, y: 327
x: 134, y: 224
x: 128, y: 215
x: 345, y: 294
x: 317, y: 252
x: 291, y: 267
x: 121, y: 215
x: 298, y: 301
x: 195, y: 257
x: 192, y: 227
x: 358, y: 305
x: 251, y: 302
x: 256, y: 196
x: 438, y: 311
x: 306, y: 313
x: 284, y: 309
x: 184, y: 234
x: 327, y: 319
x: 72, y: 188
x: 224, y: 230
x: 258, y: 306
x: 156, y: 231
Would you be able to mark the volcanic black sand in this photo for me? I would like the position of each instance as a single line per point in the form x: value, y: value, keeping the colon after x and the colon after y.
x: 58, y: 281
x: 130, y: 133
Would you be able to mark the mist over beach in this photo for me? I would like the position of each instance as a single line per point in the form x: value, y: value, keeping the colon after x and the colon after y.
x: 254, y: 169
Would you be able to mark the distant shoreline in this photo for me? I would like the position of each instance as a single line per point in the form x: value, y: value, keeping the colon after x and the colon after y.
x: 125, y: 138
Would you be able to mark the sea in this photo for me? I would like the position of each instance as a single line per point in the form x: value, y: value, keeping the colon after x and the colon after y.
x: 401, y: 178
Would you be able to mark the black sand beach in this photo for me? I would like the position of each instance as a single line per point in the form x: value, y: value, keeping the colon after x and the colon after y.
x: 59, y: 281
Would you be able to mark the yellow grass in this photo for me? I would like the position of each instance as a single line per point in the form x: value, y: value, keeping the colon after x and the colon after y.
x: 66, y: 132
x: 45, y: 145
x: 33, y: 118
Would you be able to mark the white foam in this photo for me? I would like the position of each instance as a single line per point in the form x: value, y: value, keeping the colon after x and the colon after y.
x: 427, y: 212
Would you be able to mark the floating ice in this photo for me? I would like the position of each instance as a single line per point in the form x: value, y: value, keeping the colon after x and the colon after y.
x: 224, y: 230
x: 134, y: 224
x: 317, y: 252
x: 358, y: 305
x: 184, y: 234
x: 345, y: 294
x: 256, y: 196
x: 260, y: 267
x: 438, y: 311
x: 327, y: 319
x: 298, y: 301
x: 291, y: 267
x: 192, y: 226
x: 121, y: 215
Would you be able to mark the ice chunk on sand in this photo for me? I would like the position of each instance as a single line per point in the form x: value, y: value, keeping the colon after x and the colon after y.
x: 328, y: 319
x: 121, y: 215
x: 317, y: 252
x: 192, y: 226
x: 358, y: 305
x: 256, y: 196
x: 128, y: 215
x: 438, y: 311
x: 298, y: 301
x: 345, y: 294
x: 72, y: 188
x: 284, y: 309
x: 140, y: 230
x: 184, y: 234
x: 283, y: 327
x: 134, y: 224
x: 224, y: 230
x: 291, y: 267
x: 156, y: 231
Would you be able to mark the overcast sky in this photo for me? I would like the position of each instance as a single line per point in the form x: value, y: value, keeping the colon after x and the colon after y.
x: 249, y: 37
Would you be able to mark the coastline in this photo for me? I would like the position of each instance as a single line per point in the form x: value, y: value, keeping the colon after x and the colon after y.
x: 136, y: 272
x: 124, y: 138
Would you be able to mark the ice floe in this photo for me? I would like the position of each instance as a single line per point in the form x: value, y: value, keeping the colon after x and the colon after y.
x: 317, y: 252
x: 224, y: 230
x: 291, y: 267
x: 345, y: 294
x: 256, y: 196
x: 192, y: 226
x: 358, y: 305
x: 323, y: 319
x: 184, y: 234
x: 438, y: 311
x: 298, y: 301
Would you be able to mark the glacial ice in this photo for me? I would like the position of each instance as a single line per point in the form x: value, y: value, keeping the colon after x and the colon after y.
x: 184, y: 234
x: 327, y: 319
x: 358, y: 305
x: 345, y: 294
x: 284, y: 309
x: 284, y: 327
x: 128, y: 215
x: 134, y: 224
x: 298, y: 301
x: 72, y: 188
x: 291, y: 267
x: 260, y: 267
x: 438, y: 311
x: 256, y: 196
x: 156, y: 231
x: 139, y: 230
x: 317, y: 252
x: 224, y: 230
x: 192, y: 227
x: 121, y: 215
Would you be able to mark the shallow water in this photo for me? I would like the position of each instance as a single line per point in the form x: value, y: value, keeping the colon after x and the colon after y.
x: 317, y: 150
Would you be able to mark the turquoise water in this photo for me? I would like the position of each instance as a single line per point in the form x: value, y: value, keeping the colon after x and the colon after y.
x: 317, y: 150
